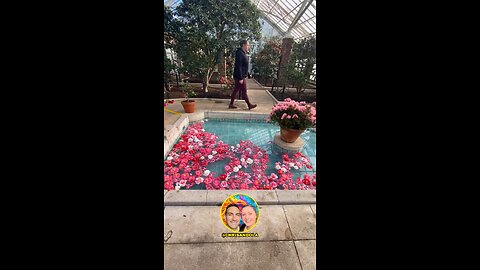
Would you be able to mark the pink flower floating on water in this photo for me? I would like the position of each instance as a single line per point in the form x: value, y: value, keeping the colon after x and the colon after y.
x: 186, y: 165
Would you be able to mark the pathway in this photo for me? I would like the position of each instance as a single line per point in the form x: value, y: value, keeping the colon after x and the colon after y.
x: 256, y: 93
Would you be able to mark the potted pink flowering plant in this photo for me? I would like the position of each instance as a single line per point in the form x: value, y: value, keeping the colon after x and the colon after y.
x: 293, y: 118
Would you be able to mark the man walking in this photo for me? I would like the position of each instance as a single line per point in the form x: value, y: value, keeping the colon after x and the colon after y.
x: 240, y: 73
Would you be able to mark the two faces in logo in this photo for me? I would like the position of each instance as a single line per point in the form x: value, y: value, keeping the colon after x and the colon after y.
x: 247, y: 214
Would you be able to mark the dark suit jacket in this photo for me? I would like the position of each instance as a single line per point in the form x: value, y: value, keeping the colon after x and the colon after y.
x: 240, y: 71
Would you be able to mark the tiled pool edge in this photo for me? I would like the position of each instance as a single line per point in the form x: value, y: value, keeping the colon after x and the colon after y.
x: 171, y: 135
x: 216, y: 197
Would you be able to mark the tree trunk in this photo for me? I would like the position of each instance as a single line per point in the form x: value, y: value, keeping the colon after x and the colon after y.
x: 206, y: 80
x: 222, y: 71
x: 176, y: 77
x: 205, y: 88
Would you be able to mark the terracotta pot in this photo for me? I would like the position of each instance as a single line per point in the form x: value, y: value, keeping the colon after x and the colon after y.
x: 188, y: 106
x: 290, y: 135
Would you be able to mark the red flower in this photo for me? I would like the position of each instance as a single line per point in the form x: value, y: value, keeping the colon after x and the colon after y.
x: 187, y: 154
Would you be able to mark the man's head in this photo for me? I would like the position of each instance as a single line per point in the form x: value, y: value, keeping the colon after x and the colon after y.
x: 244, y: 45
x: 249, y: 215
x: 232, y: 216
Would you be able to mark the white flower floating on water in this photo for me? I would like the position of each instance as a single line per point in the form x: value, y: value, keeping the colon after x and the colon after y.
x: 242, y: 159
x: 206, y: 120
x: 173, y: 174
x: 238, y: 145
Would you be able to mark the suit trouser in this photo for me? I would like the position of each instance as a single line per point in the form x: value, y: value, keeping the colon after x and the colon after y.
x: 240, y: 87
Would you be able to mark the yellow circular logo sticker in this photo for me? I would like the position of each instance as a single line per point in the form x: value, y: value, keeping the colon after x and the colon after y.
x: 239, y: 213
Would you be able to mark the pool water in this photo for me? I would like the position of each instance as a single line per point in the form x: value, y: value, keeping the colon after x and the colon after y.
x: 261, y: 135
x: 182, y: 166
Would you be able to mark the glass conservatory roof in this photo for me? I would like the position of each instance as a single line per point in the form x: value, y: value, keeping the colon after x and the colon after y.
x: 294, y: 17
x: 297, y: 17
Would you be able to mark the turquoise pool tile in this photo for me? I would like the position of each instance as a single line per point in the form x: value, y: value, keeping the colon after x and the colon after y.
x: 261, y: 134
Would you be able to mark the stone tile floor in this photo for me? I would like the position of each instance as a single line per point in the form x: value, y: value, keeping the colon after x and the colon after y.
x: 193, y: 233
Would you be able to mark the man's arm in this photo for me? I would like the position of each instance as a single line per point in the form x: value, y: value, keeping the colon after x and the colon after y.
x: 238, y: 66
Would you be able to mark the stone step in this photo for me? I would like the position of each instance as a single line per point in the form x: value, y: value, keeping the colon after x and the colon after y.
x: 216, y: 197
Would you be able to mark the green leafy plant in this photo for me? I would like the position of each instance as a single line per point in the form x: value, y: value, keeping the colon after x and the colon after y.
x: 203, y: 29
x: 301, y: 64
x: 265, y: 62
x: 187, y: 90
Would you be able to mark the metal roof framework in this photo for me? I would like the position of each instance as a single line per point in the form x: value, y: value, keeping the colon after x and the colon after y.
x: 296, y: 18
